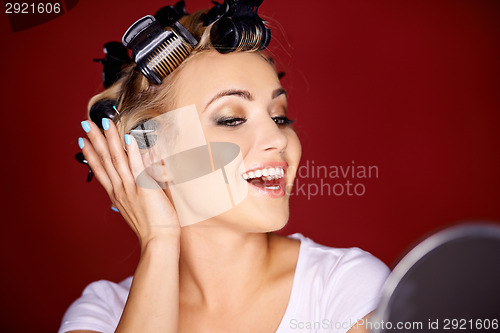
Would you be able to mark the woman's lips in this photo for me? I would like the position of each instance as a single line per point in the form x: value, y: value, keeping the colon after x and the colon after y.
x: 268, y: 180
x: 274, y: 188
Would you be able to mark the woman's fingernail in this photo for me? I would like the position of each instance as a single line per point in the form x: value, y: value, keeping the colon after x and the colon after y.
x: 105, y: 123
x: 81, y: 143
x: 128, y: 140
x: 86, y: 126
x: 115, y: 209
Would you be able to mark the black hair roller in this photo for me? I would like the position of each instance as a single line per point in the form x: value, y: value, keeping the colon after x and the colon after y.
x: 104, y: 108
x: 158, y: 52
x: 240, y: 27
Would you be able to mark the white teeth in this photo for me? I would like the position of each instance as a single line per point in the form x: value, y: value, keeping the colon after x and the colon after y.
x: 275, y: 187
x: 279, y: 172
x: 267, y: 173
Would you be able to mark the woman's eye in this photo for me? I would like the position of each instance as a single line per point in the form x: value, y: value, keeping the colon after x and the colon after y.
x: 230, y: 122
x: 282, y: 121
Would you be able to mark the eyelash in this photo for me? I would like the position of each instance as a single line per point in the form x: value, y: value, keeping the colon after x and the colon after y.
x: 233, y: 122
x: 230, y: 122
x: 283, y: 121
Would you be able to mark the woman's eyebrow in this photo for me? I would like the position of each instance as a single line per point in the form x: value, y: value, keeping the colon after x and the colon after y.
x: 245, y: 94
x: 231, y: 92
x: 278, y: 92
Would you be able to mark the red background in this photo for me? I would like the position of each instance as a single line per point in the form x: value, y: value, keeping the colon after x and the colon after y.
x: 409, y: 86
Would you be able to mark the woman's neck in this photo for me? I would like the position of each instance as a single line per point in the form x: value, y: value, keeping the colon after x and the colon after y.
x: 219, y: 268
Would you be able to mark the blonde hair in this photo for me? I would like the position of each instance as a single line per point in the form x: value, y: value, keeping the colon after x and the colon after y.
x: 139, y: 100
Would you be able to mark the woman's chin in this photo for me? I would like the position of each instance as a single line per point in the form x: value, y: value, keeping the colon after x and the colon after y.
x: 252, y: 218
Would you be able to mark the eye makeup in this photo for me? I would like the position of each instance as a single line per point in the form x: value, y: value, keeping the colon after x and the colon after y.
x: 234, y: 115
x: 229, y: 116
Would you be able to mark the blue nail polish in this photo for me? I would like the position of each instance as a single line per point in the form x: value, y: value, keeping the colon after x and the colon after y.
x: 128, y: 140
x: 113, y: 208
x: 86, y: 126
x: 105, y: 123
x: 81, y: 143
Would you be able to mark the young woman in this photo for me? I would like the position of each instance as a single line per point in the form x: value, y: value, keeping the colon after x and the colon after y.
x: 228, y: 273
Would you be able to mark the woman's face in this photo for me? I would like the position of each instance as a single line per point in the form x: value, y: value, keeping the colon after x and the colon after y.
x: 239, y: 99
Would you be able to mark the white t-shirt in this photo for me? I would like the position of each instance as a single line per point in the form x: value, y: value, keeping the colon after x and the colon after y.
x: 332, y: 289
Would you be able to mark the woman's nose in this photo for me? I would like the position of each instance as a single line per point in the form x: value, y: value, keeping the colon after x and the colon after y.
x: 270, y: 137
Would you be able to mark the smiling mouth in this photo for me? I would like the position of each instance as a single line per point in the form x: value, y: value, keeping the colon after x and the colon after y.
x: 269, y: 179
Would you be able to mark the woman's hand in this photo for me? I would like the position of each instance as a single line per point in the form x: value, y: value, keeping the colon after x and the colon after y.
x: 146, y: 208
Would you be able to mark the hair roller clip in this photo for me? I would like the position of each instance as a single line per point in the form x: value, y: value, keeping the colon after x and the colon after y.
x: 240, y: 27
x: 158, y: 52
x: 116, y: 57
x: 166, y: 16
x: 81, y: 158
x: 215, y: 13
x: 145, y: 134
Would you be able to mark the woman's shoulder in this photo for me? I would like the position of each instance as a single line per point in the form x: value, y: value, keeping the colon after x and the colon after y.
x: 123, y: 285
x: 111, y: 293
x: 99, y: 308
x: 339, y: 284
x: 333, y: 259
